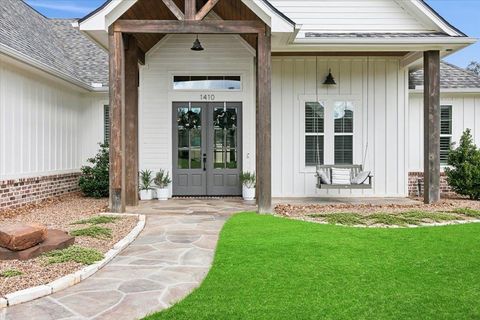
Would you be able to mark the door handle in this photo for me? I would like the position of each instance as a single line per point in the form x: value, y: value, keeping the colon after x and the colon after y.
x: 204, y: 162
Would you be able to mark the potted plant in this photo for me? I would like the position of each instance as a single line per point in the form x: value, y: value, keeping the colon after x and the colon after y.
x: 162, y: 180
x: 146, y: 187
x: 248, y: 180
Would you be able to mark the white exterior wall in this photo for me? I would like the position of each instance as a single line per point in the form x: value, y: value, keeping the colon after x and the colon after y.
x: 46, y: 126
x: 223, y: 55
x: 465, y: 114
x: 349, y: 15
x: 377, y: 86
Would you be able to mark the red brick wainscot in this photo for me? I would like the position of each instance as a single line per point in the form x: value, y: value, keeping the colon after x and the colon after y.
x: 415, y: 185
x: 19, y: 192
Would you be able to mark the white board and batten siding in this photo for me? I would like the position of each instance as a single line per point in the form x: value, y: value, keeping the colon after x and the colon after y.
x: 223, y: 55
x: 350, y: 15
x: 375, y: 85
x: 465, y: 115
x: 46, y: 126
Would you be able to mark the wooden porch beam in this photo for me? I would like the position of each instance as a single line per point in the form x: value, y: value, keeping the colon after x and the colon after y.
x: 206, y: 9
x: 190, y: 9
x: 263, y: 125
x: 186, y: 27
x: 140, y: 56
x: 431, y: 134
x: 117, y: 109
x: 131, y: 122
x: 174, y: 9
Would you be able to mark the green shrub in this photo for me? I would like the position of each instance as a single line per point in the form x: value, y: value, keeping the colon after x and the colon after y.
x: 93, y: 232
x: 77, y: 254
x: 10, y: 273
x: 248, y: 179
x: 98, y: 220
x: 162, y: 179
x: 463, y: 173
x: 146, y: 180
x: 94, y: 181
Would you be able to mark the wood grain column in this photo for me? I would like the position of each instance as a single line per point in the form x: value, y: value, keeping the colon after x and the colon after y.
x: 263, y: 125
x: 131, y: 121
x: 431, y: 134
x: 117, y: 113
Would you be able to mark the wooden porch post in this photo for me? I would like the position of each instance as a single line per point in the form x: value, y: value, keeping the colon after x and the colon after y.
x: 431, y: 132
x: 117, y: 113
x: 131, y: 121
x: 263, y: 125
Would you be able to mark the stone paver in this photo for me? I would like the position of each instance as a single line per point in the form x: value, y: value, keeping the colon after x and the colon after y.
x: 165, y: 263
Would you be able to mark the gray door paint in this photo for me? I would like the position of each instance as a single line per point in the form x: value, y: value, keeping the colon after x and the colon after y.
x: 211, y: 167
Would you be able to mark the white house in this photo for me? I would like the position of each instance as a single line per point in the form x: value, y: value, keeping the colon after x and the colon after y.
x: 204, y: 117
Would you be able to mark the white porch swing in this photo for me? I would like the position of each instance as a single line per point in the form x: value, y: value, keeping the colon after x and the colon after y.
x: 357, y: 177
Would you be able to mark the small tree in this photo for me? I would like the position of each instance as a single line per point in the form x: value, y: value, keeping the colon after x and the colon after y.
x: 474, y: 67
x: 463, y: 173
x: 94, y: 181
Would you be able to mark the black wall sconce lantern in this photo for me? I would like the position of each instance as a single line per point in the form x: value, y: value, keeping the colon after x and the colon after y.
x: 197, y: 46
x: 330, y: 80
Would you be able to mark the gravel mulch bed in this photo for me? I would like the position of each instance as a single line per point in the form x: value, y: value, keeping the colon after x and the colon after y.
x: 318, y: 212
x: 59, y: 213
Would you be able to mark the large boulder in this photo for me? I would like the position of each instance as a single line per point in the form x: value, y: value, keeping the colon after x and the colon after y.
x: 19, y: 236
x: 55, y: 240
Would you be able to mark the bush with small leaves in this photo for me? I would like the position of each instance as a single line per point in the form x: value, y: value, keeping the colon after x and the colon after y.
x: 94, y: 180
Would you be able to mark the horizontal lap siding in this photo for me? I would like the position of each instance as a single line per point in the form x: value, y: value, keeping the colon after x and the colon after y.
x: 465, y: 114
x: 41, y: 125
x: 378, y: 87
x: 224, y: 54
x: 349, y: 16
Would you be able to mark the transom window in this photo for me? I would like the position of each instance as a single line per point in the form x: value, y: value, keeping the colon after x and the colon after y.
x: 189, y: 82
x: 314, y: 133
x: 445, y: 132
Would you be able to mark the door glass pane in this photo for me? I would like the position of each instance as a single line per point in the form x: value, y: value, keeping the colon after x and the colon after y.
x: 196, y: 138
x: 225, y: 120
x: 189, y: 131
x: 182, y: 138
x: 183, y: 159
x: 231, y: 138
x: 218, y: 159
x: 196, y: 160
x: 231, y: 159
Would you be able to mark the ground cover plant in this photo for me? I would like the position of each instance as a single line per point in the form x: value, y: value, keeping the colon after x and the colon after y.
x: 390, y: 219
x: 269, y: 267
x: 93, y: 231
x: 10, y: 273
x: 98, y: 220
x: 74, y: 253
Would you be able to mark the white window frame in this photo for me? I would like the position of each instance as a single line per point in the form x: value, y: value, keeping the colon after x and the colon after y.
x: 314, y: 134
x: 205, y: 74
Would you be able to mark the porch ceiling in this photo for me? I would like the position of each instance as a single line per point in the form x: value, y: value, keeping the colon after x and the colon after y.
x: 157, y: 10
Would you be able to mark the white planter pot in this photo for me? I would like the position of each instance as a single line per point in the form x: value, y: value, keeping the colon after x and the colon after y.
x: 146, y: 195
x: 248, y: 193
x: 163, y: 194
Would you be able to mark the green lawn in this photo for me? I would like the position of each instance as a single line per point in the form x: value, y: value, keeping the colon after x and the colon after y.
x: 274, y: 268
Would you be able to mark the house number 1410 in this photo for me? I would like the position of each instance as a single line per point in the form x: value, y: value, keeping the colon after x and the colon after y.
x: 207, y: 97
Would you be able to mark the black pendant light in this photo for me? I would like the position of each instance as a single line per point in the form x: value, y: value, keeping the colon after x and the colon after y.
x: 197, y: 46
x: 330, y: 80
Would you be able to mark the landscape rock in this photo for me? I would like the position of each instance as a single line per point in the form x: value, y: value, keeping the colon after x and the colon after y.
x: 20, y: 236
x: 55, y: 239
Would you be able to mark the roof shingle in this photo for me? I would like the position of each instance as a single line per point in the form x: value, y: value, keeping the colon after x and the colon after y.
x: 52, y: 42
x: 451, y: 77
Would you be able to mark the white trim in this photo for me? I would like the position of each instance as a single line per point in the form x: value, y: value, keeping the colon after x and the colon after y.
x: 48, y: 69
x: 419, y: 90
x: 427, y: 12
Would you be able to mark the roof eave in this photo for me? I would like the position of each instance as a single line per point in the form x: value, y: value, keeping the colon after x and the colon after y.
x: 16, y: 55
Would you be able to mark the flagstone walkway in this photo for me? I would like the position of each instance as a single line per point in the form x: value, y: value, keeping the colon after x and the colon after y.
x: 164, y: 264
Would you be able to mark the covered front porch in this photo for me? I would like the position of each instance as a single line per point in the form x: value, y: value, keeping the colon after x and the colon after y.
x: 151, y: 63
